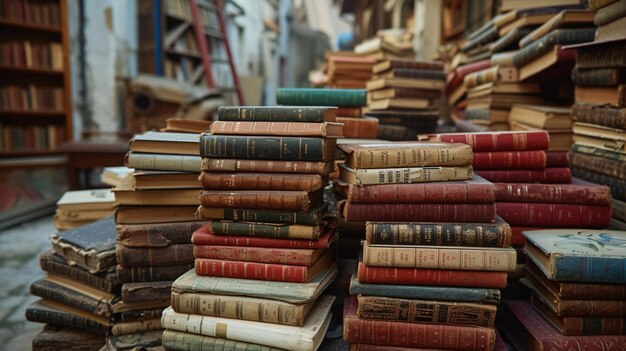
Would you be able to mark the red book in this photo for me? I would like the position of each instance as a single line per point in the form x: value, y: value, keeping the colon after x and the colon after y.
x: 429, y: 212
x: 528, y: 330
x: 590, y: 194
x: 476, y: 190
x: 203, y: 236
x: 262, y: 271
x: 535, y: 159
x: 556, y: 159
x: 548, y: 175
x: 293, y: 257
x: 517, y: 239
x: 349, y: 112
x: 441, y: 277
x: 431, y: 336
x: 554, y: 215
x: 461, y: 71
x: 496, y: 141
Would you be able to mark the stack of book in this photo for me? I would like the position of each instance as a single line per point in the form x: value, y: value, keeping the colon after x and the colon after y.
x: 387, y: 45
x: 264, y: 170
x: 578, y: 292
x: 348, y: 70
x: 408, y: 91
x: 434, y: 254
x: 81, y: 207
x: 599, y: 153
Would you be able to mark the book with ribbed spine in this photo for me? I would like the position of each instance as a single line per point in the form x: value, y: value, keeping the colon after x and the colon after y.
x: 403, y: 175
x: 267, y: 230
x: 51, y: 312
x: 535, y: 159
x: 427, y: 212
x: 598, y: 76
x: 613, y: 54
x: 321, y: 97
x: 258, y: 199
x: 611, y: 168
x: 265, y: 166
x: 156, y: 235
x: 547, y: 42
x: 105, y: 281
x: 295, y: 257
x: 313, y: 216
x: 162, y: 162
x: 175, y: 254
x: 494, y: 141
x: 180, y: 341
x: 618, y: 186
x: 560, y: 175
x: 315, y: 114
x: 305, y: 338
x: 590, y: 194
x: 607, y: 116
x: 262, y: 181
x: 322, y: 130
x: 205, y: 236
x: 566, y: 18
x: 151, y: 274
x: 496, y: 234
x: 554, y: 214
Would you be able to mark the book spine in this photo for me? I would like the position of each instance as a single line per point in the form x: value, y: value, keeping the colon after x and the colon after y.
x: 163, y: 162
x: 179, y: 341
x: 55, y: 292
x: 618, y: 209
x: 567, y: 193
x: 255, y: 254
x: 554, y: 215
x: 158, y: 235
x: 610, y: 13
x: 272, y: 114
x: 594, y: 326
x: 251, y: 270
x: 416, y: 335
x: 297, y: 201
x: 442, y: 277
x: 128, y: 316
x: 598, y: 76
x: 481, y: 77
x: 151, y: 274
x: 557, y: 159
x: 575, y: 291
x: 261, y: 181
x: 266, y: 230
x: 590, y: 270
x: 483, y: 142
x: 259, y: 310
x: 549, y: 175
x: 99, y: 282
x: 321, y: 97
x: 154, y: 256
x: 618, y: 186
x: 440, y: 156
x: 591, y: 308
x: 359, y: 127
x: 254, y: 215
x: 611, y: 55
x: 65, y: 320
x: 144, y: 292
x: 439, y: 234
x: 476, y: 114
x: 410, y: 175
x: 264, y: 148
x: 427, y: 212
x: 510, y: 160
x: 268, y: 128
x: 418, y: 73
x: 247, y: 241
x: 546, y: 43
x: 349, y: 111
x: 263, y: 166
x: 589, y: 150
x: 419, y: 311
x: 439, y: 258
x: 134, y: 327
x: 611, y: 168
x: 603, y: 115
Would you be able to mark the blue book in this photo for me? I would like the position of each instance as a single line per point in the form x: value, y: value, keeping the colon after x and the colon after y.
x: 437, y: 293
x: 579, y: 255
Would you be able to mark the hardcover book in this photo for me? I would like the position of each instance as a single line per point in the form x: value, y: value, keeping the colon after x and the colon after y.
x: 176, y: 340
x: 266, y: 200
x: 105, y: 281
x: 205, y: 236
x: 165, y: 143
x: 549, y: 175
x: 58, y: 338
x: 146, y: 179
x: 553, y: 193
x: 151, y: 274
x: 51, y: 312
x: 295, y: 257
x: 321, y: 97
x: 146, y: 292
x: 376, y: 176
x: 175, y: 254
x: 154, y: 214
x: 312, y: 217
x: 163, y: 162
x: 317, y: 114
x: 322, y: 130
x: 156, y: 235
x: 265, y: 166
x: 125, y: 195
x: 426, y: 212
x: 494, y: 141
x: 262, y: 181
x: 554, y: 214
x: 267, y: 230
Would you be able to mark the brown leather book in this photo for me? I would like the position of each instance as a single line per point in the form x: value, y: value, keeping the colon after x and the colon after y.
x: 256, y: 199
x: 154, y: 256
x: 262, y: 181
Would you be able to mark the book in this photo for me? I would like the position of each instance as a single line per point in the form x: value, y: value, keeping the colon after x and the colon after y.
x: 113, y: 175
x: 267, y: 230
x: 175, y: 254
x: 267, y: 148
x: 421, y: 311
x: 156, y: 235
x: 146, y: 180
x: 401, y: 103
x: 598, y: 77
x: 148, y: 339
x: 180, y: 341
x: 359, y: 127
x: 603, y: 138
x: 598, y: 4
x: 529, y: 331
x: 549, y: 175
x: 618, y: 209
x: 426, y: 212
x: 262, y: 181
x: 307, y: 337
x: 241, y: 307
x: 313, y: 216
x: 180, y: 125
x: 406, y: 63
x: 441, y: 277
x: 611, y: 31
x: 474, y: 190
x: 376, y: 176
x: 415, y: 73
x: 87, y: 200
x: 263, y: 271
x: 611, y: 55
x: 615, y: 96
x: 154, y: 214
x: 266, y: 200
x: 146, y: 292
x: 204, y: 236
x: 609, y: 13
x: 125, y: 195
x: 590, y: 194
x: 494, y: 141
x: 323, y: 130
x: 599, y: 114
x: 190, y: 282
x: 134, y: 327
x: 403, y: 93
x: 151, y: 274
x: 165, y: 143
x: 425, y: 292
x: 295, y: 257
x: 439, y: 257
x: 349, y: 111
x: 321, y: 97
x: 566, y: 18
x: 58, y: 338
x: 554, y: 63
x: 401, y: 82
x: 452, y: 337
x: 311, y: 114
x: 57, y: 265
x: 163, y: 162
x: 50, y: 312
x: 496, y: 234
x: 265, y: 166
x: 617, y: 186
x: 547, y: 42
x: 417, y: 154
x: 545, y: 117
x: 91, y: 246
x: 491, y: 75
x: 591, y: 256
x: 554, y: 214
x: 611, y: 168
x: 560, y: 142
x: 526, y: 160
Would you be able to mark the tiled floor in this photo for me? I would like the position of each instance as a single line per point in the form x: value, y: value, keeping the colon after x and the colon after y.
x: 19, y: 266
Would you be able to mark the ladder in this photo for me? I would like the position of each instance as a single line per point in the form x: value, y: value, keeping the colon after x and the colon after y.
x: 204, y: 12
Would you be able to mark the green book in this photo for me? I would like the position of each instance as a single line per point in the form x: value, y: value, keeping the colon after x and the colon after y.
x: 277, y: 113
x: 263, y: 216
x: 321, y: 97
x: 547, y: 42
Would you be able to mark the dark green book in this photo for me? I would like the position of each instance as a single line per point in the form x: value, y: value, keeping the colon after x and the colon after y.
x: 286, y: 231
x: 547, y: 42
x: 618, y: 186
x: 321, y: 97
x: 312, y: 217
x: 267, y: 148
x: 590, y: 150
x: 277, y: 113
x: 56, y: 314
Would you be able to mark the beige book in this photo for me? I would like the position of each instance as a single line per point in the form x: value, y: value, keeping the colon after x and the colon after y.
x: 125, y: 194
x: 427, y: 84
x: 440, y: 257
x: 166, y: 180
x: 560, y: 139
x: 403, y: 175
x: 85, y: 200
x: 542, y: 117
x: 166, y: 143
x: 503, y: 88
x: 408, y: 103
x: 405, y: 154
x: 133, y: 327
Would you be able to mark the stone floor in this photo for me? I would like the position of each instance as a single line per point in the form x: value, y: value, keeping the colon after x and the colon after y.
x: 19, y: 266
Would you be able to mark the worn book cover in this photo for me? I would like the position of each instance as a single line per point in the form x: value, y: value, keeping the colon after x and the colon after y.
x: 55, y: 313
x: 166, y: 143
x: 403, y: 175
x: 105, y: 281
x: 147, y: 291
x: 67, y: 339
x: 156, y: 235
x: 147, y: 340
x: 177, y: 340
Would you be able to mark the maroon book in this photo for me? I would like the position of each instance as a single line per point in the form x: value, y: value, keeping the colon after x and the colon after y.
x: 556, y: 159
x: 590, y: 194
x: 525, y: 160
x: 495, y: 141
x: 554, y: 215
x: 203, y: 236
x: 424, y: 212
x: 517, y: 239
x: 548, y: 175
